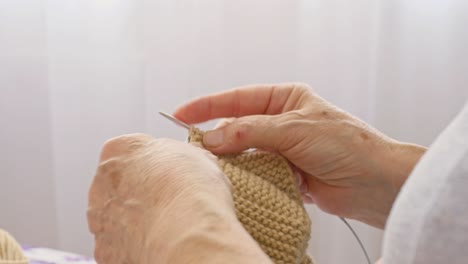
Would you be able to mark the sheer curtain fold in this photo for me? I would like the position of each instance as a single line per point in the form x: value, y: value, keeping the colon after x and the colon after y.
x: 75, y: 73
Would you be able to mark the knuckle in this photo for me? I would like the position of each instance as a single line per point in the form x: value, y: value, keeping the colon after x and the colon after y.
x: 241, y: 131
x: 293, y: 115
x: 123, y: 144
x: 94, y: 221
x: 162, y: 148
x: 107, y: 179
x: 302, y: 87
x: 268, y: 123
x: 224, y: 122
x: 291, y: 122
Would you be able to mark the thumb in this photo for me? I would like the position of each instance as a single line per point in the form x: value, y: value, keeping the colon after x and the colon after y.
x: 257, y: 131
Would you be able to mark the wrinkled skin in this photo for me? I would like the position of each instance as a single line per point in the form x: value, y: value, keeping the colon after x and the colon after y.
x: 347, y: 167
x: 162, y: 201
x: 149, y: 192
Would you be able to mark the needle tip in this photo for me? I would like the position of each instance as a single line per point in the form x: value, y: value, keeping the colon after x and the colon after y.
x: 175, y: 120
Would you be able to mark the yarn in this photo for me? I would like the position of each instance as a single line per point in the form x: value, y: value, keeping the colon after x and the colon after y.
x: 10, y: 250
x: 267, y: 202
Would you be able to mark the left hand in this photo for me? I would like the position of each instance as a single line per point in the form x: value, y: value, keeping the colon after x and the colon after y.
x: 147, y: 193
x: 348, y: 168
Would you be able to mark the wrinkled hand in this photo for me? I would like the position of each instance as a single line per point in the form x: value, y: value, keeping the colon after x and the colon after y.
x: 148, y: 192
x: 348, y: 168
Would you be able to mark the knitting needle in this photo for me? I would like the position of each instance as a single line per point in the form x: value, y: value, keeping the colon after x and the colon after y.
x: 357, y: 238
x: 187, y: 126
x: 175, y: 120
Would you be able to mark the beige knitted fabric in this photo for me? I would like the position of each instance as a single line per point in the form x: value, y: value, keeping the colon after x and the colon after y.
x: 267, y: 202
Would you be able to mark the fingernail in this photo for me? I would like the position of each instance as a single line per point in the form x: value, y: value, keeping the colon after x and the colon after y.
x: 307, y: 198
x: 303, y: 187
x: 298, y: 178
x: 213, y: 138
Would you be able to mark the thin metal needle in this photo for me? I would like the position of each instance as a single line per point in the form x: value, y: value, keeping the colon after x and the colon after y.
x: 358, y: 240
x: 175, y: 120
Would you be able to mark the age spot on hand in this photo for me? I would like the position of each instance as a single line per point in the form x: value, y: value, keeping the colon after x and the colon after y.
x: 364, y: 136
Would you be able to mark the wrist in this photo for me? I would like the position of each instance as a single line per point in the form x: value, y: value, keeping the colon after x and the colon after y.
x: 404, y: 159
x: 224, y: 241
x: 396, y: 166
x: 201, y: 231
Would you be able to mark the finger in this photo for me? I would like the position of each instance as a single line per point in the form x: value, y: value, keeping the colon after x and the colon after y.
x: 237, y: 102
x: 244, y: 133
x: 224, y: 122
x: 302, y: 185
x: 205, y: 152
x: 307, y: 199
x: 330, y: 198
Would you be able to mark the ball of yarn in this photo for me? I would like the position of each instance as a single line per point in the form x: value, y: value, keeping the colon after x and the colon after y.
x: 10, y: 250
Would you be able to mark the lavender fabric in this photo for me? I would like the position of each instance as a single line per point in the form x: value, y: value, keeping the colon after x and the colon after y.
x: 38, y: 255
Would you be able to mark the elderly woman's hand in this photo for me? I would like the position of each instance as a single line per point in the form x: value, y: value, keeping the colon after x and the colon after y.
x: 348, y: 168
x: 163, y: 201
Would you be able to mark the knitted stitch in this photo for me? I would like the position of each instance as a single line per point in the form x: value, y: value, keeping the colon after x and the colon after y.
x: 10, y: 250
x: 267, y: 202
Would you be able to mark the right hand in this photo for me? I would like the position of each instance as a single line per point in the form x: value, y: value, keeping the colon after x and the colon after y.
x: 349, y: 169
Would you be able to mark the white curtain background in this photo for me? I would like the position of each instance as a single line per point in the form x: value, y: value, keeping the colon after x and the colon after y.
x: 74, y: 73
